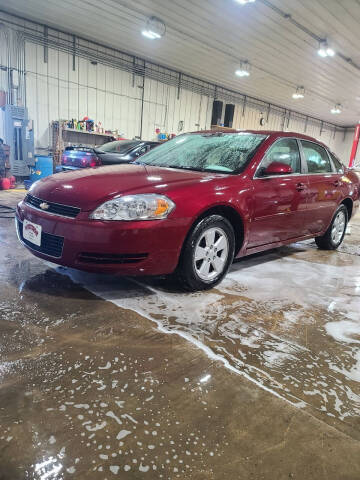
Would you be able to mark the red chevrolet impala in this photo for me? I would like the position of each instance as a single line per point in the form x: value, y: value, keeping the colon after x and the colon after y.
x: 191, y: 205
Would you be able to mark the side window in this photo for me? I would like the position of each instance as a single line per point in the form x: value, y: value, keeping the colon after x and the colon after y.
x: 339, y: 167
x: 316, y: 157
x: 142, y: 150
x: 285, y: 151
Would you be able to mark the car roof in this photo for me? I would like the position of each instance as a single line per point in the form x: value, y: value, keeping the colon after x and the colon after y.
x: 269, y: 133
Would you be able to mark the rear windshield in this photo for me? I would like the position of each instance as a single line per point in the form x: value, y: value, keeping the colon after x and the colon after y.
x: 80, y: 148
x: 120, y: 146
x: 216, y: 152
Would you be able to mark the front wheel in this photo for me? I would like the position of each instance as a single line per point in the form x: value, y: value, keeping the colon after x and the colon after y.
x: 334, y: 235
x: 207, y: 254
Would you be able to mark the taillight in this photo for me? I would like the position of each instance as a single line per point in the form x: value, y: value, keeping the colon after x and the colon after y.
x: 95, y: 161
x: 63, y: 159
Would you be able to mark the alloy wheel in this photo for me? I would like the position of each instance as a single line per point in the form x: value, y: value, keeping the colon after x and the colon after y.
x: 338, y: 227
x: 211, y: 253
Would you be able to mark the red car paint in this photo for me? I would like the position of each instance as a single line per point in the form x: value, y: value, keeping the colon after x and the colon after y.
x: 268, y: 212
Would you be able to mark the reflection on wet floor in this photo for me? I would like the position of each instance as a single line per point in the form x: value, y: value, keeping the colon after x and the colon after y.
x: 82, y: 404
x: 288, y: 320
x: 90, y: 390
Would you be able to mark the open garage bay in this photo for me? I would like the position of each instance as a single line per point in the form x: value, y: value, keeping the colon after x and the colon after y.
x: 257, y: 378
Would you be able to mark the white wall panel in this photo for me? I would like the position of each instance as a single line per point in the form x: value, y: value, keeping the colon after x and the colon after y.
x: 73, y: 100
x: 73, y: 75
x: 63, y: 92
x: 63, y: 63
x: 53, y: 97
x: 92, y: 103
x: 82, y: 101
x: 83, y: 71
x: 342, y: 146
x: 42, y: 105
x: 32, y: 53
x: 53, y: 63
x: 111, y: 96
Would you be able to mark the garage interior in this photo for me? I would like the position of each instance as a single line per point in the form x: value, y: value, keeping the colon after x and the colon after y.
x: 105, y: 376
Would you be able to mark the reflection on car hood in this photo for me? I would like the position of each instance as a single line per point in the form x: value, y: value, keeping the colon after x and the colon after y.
x: 87, y: 188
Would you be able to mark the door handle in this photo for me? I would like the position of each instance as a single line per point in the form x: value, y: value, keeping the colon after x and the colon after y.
x: 300, y: 186
x: 336, y: 183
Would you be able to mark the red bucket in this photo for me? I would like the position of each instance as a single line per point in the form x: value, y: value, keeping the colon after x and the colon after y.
x: 5, y: 183
x: 12, y: 182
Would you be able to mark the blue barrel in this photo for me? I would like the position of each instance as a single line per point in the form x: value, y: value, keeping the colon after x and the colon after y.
x: 43, y: 167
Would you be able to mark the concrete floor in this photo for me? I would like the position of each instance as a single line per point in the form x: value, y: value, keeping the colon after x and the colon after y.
x: 256, y: 379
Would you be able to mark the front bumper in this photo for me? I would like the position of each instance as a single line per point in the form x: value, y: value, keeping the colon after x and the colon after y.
x: 127, y: 248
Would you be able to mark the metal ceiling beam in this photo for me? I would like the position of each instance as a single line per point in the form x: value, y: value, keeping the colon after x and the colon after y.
x: 211, y: 88
x: 306, y: 30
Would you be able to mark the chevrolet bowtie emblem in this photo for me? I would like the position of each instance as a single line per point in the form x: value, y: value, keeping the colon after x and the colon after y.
x: 44, y: 206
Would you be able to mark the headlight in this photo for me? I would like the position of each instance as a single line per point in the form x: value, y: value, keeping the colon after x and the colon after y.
x: 134, y: 207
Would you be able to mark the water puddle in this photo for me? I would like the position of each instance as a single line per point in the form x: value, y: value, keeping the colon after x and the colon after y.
x: 286, y: 322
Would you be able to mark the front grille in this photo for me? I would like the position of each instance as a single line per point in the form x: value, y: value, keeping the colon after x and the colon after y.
x: 108, y: 258
x: 51, y: 245
x: 56, y: 208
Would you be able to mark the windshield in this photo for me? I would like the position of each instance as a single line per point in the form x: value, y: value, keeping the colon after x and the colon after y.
x: 218, y: 152
x: 120, y: 146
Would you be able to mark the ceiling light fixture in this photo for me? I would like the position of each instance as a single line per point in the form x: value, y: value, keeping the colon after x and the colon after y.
x: 244, y: 2
x: 299, y: 93
x: 155, y: 28
x: 336, y: 109
x: 243, y: 70
x: 324, y: 50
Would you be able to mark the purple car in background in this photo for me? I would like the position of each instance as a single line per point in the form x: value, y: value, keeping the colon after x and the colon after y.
x: 119, y: 151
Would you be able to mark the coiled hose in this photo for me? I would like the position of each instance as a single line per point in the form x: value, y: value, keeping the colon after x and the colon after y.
x: 6, y: 211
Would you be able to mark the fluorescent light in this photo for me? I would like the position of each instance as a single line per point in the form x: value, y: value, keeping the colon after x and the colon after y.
x: 154, y: 29
x: 242, y: 73
x: 325, y: 51
x: 336, y: 109
x: 244, y: 70
x: 244, y: 2
x: 299, y: 93
x: 150, y: 34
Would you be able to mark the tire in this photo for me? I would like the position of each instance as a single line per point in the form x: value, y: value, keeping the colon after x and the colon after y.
x: 334, y: 235
x: 207, y: 254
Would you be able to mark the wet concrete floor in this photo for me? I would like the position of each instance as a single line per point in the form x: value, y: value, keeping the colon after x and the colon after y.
x: 103, y: 378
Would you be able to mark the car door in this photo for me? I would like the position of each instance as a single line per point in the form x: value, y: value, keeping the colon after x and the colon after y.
x: 324, y: 186
x: 279, y: 202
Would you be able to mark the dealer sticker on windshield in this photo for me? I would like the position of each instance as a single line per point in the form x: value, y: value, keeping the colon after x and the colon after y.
x: 32, y: 232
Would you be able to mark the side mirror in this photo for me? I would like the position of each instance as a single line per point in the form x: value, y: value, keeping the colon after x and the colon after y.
x: 278, y: 168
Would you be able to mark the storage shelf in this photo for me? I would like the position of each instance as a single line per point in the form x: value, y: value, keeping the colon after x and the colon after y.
x: 74, y: 130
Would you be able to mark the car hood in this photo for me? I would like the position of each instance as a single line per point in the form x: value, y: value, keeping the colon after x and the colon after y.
x: 89, y: 187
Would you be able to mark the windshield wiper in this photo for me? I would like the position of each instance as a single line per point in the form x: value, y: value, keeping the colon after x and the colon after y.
x: 182, y: 167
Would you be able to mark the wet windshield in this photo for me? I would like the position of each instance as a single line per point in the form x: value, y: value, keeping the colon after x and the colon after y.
x: 120, y: 146
x: 217, y: 152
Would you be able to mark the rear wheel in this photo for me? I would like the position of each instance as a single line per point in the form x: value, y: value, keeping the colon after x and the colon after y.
x: 207, y: 254
x: 335, y: 233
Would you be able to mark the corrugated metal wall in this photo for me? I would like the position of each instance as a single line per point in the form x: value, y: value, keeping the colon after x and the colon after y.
x: 113, y: 96
x: 107, y: 95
